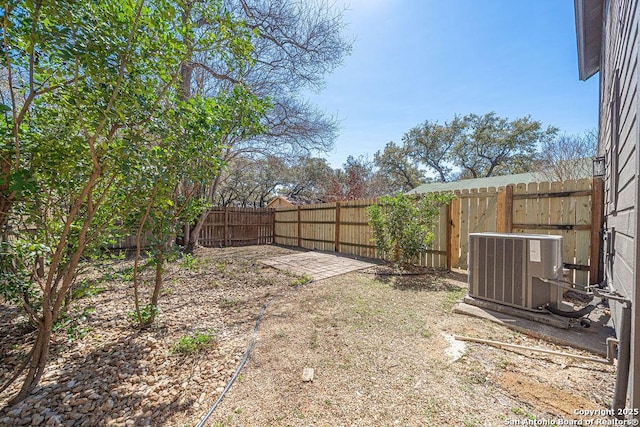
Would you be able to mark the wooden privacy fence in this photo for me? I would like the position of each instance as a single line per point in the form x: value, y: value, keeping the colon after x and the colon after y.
x: 224, y: 227
x: 572, y: 209
x: 237, y: 227
x: 344, y: 227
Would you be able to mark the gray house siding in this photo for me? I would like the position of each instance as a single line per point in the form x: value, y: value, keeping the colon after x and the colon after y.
x: 619, y: 136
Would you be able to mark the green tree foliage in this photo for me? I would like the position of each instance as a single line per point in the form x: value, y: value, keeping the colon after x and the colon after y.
x: 94, y: 135
x: 432, y: 145
x: 478, y: 145
x: 398, y: 169
x: 403, y: 225
x: 161, y: 192
x: 498, y: 146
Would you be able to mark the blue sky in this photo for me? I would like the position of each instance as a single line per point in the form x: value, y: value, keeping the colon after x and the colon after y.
x: 417, y: 60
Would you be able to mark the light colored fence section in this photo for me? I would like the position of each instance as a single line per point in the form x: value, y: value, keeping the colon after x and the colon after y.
x: 354, y: 236
x: 560, y: 208
x: 318, y: 224
x: 476, y: 212
x: 285, y: 227
x: 344, y: 227
x: 571, y: 209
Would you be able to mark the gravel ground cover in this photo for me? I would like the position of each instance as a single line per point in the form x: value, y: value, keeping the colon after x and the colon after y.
x: 379, y: 345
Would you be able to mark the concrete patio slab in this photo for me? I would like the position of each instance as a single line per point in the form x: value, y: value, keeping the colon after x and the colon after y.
x: 317, y: 265
x: 593, y: 339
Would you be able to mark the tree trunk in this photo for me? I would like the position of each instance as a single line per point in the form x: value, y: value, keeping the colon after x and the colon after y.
x: 192, y: 243
x: 396, y: 254
x: 38, y: 360
x: 158, y: 283
x: 194, y: 235
x: 186, y: 236
x: 6, y: 196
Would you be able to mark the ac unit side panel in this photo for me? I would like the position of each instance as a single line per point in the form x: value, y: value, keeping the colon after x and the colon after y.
x: 519, y: 271
x: 545, y: 257
x: 498, y: 273
x: 509, y: 294
x: 542, y: 293
x: 506, y: 268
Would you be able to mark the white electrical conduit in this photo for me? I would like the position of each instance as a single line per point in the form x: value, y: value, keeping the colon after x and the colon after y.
x: 540, y: 350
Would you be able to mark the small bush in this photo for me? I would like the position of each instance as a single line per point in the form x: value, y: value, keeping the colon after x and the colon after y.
x: 190, y: 344
x: 403, y: 225
x: 86, y: 288
x: 301, y: 280
x: 74, y: 325
x: 220, y: 266
x: 190, y: 262
x: 147, y: 313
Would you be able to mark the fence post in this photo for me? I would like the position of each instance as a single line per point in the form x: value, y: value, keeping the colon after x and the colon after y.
x: 449, y: 236
x: 596, y: 260
x: 299, y: 228
x: 501, y: 211
x: 453, y: 228
x: 508, y: 209
x: 273, y: 227
x: 504, y: 210
x: 226, y: 226
x: 337, y: 228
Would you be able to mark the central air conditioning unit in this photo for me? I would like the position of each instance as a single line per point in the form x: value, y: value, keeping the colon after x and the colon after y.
x: 516, y: 269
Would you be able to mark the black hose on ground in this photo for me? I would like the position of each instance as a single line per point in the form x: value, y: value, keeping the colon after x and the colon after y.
x: 571, y: 314
x: 240, y: 366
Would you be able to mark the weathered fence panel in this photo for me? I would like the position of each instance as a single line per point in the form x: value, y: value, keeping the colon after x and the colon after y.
x: 565, y: 209
x: 353, y: 232
x: 477, y: 214
x: 237, y: 227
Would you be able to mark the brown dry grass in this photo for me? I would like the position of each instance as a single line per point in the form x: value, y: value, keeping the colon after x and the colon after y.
x: 378, y: 348
x: 377, y: 345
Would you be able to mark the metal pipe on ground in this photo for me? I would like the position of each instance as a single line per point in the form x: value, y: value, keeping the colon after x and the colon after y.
x: 539, y: 350
x: 624, y: 357
x: 624, y: 348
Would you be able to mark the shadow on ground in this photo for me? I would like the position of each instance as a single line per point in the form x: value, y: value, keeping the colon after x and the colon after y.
x: 421, y: 279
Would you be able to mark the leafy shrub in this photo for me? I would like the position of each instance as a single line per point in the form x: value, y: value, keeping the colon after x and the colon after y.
x: 86, y: 288
x: 301, y: 280
x: 190, y: 344
x: 147, y: 313
x: 19, y: 260
x: 403, y: 225
x: 190, y: 262
x: 74, y: 325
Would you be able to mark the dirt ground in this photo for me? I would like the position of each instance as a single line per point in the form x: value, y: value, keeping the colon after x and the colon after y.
x: 380, y: 347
